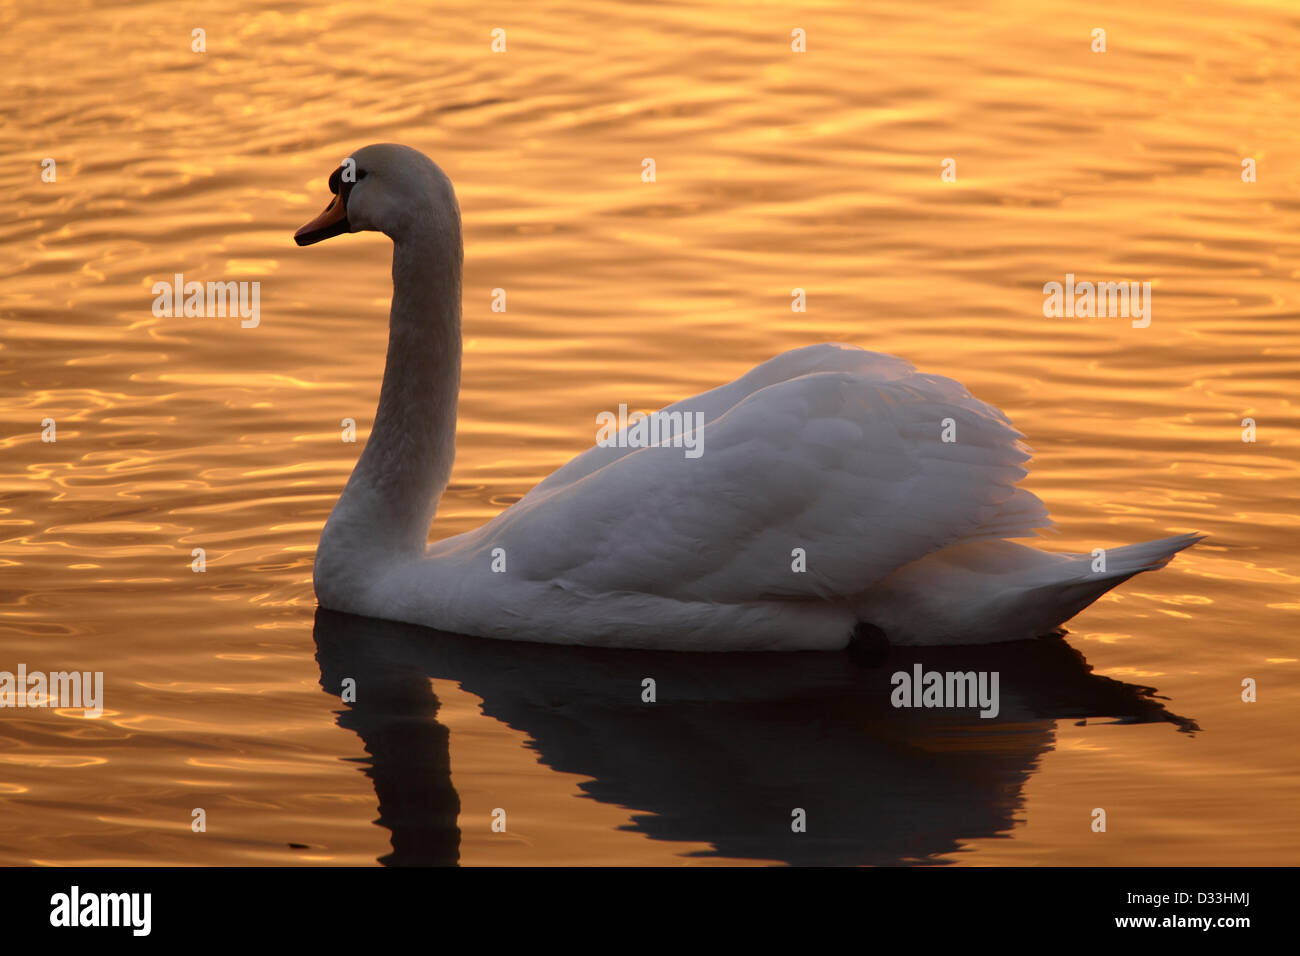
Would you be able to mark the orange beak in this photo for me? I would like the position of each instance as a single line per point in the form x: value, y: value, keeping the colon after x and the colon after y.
x: 332, y: 222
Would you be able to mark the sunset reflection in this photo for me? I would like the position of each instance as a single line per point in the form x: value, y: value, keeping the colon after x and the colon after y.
x: 184, y: 439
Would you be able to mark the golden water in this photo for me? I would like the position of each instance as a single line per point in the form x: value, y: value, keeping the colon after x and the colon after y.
x: 775, y: 170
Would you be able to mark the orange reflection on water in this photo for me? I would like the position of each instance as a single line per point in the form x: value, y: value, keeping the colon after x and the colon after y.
x: 774, y: 171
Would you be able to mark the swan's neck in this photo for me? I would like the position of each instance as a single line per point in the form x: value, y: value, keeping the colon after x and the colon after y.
x: 391, y: 497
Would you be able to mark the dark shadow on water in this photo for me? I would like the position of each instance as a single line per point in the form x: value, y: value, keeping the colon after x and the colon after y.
x: 734, y: 743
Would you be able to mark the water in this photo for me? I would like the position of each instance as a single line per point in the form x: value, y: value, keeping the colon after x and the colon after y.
x: 774, y: 171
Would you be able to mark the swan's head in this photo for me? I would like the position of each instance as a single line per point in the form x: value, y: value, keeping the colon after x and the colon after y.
x: 385, y: 188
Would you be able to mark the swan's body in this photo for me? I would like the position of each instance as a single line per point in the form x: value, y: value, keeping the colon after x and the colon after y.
x: 828, y: 456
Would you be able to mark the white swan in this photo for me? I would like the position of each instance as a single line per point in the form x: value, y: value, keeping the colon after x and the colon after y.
x: 829, y: 452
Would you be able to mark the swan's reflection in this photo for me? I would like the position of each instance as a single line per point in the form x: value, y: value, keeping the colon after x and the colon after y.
x: 733, y: 744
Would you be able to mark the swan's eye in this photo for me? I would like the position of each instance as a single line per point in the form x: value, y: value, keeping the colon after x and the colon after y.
x: 337, y: 183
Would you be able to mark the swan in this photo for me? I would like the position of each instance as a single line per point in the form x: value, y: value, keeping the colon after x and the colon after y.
x: 840, y: 497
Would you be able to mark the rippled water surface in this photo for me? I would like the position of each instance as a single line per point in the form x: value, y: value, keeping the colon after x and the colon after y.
x: 775, y: 171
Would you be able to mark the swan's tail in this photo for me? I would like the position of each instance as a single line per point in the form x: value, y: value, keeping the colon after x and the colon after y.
x: 1147, y: 556
x: 1088, y: 576
x: 984, y: 592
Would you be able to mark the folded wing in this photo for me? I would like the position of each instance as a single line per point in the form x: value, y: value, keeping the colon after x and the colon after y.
x: 829, y: 458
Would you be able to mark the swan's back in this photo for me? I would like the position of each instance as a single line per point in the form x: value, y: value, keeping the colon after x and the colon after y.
x: 822, y: 471
x: 873, y: 366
